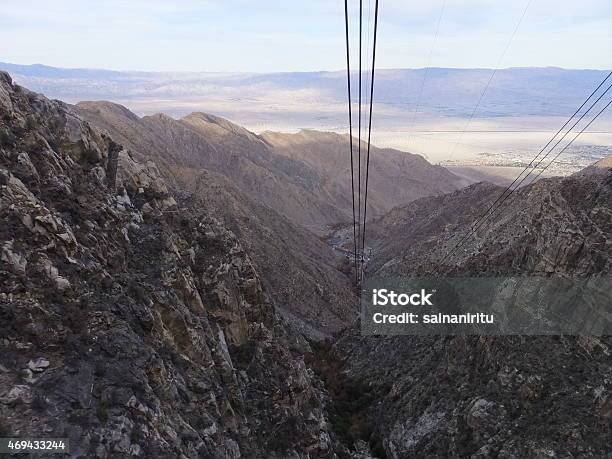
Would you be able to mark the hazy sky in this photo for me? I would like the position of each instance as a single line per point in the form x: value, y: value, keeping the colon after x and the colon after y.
x: 293, y: 35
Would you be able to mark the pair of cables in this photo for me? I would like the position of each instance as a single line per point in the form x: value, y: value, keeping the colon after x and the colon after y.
x: 359, y: 221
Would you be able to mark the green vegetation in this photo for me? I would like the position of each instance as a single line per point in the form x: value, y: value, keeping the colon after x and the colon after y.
x: 350, y: 413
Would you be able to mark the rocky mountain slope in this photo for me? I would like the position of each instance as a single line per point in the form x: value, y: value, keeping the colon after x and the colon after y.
x: 275, y: 191
x: 479, y: 396
x: 482, y: 397
x: 131, y: 324
x: 206, y: 142
x: 395, y: 177
x: 136, y: 323
x: 600, y: 167
x: 555, y: 226
x: 308, y: 282
x: 304, y: 177
x: 294, y: 263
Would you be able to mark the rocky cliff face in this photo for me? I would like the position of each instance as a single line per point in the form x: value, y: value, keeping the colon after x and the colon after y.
x: 478, y: 397
x: 131, y: 324
x: 303, y: 275
x: 506, y: 397
x: 557, y: 226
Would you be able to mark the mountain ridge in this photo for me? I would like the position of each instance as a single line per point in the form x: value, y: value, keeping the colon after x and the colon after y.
x: 216, y: 137
x: 155, y: 138
x: 132, y: 324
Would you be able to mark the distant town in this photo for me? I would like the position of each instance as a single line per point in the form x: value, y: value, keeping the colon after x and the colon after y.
x: 572, y: 160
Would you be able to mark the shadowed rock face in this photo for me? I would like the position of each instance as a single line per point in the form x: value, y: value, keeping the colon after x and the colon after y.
x: 480, y: 396
x: 130, y: 324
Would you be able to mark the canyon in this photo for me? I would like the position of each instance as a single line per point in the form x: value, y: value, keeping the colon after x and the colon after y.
x: 168, y: 289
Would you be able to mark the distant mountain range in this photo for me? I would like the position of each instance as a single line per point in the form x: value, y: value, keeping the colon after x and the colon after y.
x: 423, y: 111
x: 448, y: 92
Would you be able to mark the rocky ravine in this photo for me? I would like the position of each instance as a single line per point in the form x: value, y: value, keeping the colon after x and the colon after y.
x: 130, y: 324
x: 483, y: 397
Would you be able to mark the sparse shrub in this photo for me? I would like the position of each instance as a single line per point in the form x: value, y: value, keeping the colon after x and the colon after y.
x: 30, y: 123
x: 39, y: 403
x: 5, y: 430
x: 102, y: 412
x: 99, y: 369
x: 6, y: 138
x: 79, y: 417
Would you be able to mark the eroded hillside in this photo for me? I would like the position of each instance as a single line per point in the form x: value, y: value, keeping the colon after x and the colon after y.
x: 132, y: 325
x: 395, y: 177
